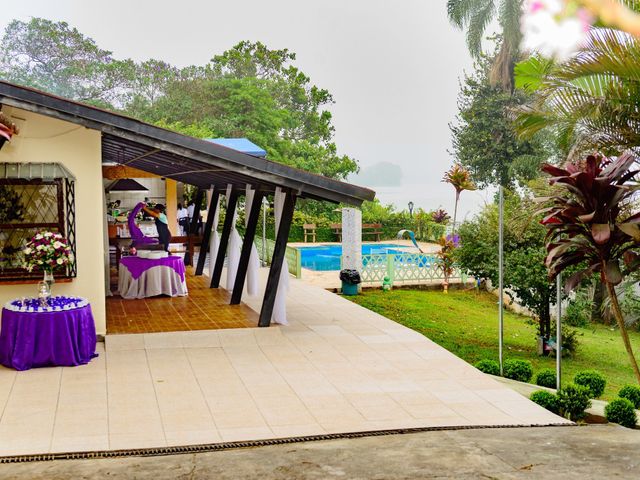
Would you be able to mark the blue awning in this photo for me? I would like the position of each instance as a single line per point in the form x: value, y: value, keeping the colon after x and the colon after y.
x: 243, y: 145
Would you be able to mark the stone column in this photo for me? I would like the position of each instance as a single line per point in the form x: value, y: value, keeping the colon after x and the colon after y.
x: 352, y: 239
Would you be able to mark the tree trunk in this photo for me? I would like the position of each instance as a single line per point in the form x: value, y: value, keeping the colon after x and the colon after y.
x: 617, y: 312
x: 455, y: 214
x: 545, y: 321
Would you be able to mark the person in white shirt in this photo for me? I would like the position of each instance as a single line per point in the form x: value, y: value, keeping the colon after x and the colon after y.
x: 183, y: 219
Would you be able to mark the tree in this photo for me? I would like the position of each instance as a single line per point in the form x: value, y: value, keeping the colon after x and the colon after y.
x: 525, y: 276
x: 458, y: 177
x: 591, y: 101
x: 475, y: 17
x: 58, y: 58
x: 590, y: 224
x: 484, y: 139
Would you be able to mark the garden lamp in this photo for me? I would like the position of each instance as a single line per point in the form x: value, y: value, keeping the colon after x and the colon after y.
x: 411, y: 209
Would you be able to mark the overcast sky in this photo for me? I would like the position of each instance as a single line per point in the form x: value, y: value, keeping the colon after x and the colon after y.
x: 393, y: 67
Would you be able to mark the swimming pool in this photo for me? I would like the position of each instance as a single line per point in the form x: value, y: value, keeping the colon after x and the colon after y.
x: 327, y: 257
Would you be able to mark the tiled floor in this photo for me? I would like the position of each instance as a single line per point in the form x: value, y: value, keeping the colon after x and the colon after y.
x: 204, y: 309
x: 336, y: 368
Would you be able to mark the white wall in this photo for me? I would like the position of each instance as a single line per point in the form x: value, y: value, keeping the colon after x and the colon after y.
x: 44, y: 139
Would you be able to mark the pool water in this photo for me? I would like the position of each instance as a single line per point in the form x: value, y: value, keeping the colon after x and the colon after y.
x: 327, y: 257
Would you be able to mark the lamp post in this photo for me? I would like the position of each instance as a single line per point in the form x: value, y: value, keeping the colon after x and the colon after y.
x: 411, y: 209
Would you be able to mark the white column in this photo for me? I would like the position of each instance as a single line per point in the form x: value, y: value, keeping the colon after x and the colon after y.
x: 352, y: 239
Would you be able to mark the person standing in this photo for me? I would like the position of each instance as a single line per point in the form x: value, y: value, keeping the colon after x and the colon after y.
x: 183, y: 219
x: 162, y: 224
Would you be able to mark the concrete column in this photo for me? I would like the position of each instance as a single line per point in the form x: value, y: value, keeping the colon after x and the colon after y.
x: 171, y: 197
x: 352, y: 239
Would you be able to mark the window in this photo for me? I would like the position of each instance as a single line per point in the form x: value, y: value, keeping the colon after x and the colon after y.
x: 34, y: 197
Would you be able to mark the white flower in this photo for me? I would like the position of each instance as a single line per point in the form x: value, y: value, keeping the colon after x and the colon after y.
x: 39, y: 247
x: 27, y: 251
x: 57, y: 244
x: 48, y: 234
x: 548, y: 31
x: 38, y: 237
x: 60, y: 261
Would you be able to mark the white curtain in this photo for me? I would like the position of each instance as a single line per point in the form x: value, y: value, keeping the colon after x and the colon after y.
x: 254, y: 261
x: 280, y: 306
x: 214, y: 240
x: 235, y: 245
x: 105, y: 247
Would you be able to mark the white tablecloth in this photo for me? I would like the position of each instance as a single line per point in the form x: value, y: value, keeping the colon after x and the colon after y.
x: 160, y: 280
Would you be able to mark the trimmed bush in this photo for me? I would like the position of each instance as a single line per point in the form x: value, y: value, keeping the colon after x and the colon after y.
x: 546, y: 400
x: 593, y: 380
x: 520, y: 370
x: 546, y: 378
x: 631, y: 393
x: 621, y: 411
x: 488, y: 366
x: 573, y: 400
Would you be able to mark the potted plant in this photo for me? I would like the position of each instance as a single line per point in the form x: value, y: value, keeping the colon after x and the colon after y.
x: 7, y: 129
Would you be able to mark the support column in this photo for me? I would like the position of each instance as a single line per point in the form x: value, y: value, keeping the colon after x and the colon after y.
x: 171, y: 201
x: 224, y: 240
x: 206, y: 235
x: 247, y: 243
x: 279, y: 251
x: 193, y: 227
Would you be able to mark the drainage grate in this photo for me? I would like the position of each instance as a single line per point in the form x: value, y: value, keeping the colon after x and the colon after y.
x: 214, y: 447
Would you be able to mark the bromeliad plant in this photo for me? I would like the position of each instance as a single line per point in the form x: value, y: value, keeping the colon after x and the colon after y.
x: 591, y: 226
x: 47, y: 251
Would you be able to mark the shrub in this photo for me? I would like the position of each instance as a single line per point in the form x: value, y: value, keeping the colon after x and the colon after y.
x: 593, y: 380
x: 578, y: 312
x: 546, y: 400
x: 546, y: 378
x: 573, y: 400
x: 631, y: 393
x: 621, y: 411
x: 488, y: 366
x: 520, y: 370
x: 570, y: 342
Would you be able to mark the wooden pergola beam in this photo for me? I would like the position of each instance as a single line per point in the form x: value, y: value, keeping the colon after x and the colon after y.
x: 277, y: 260
x: 232, y: 201
x: 206, y: 235
x: 247, y: 243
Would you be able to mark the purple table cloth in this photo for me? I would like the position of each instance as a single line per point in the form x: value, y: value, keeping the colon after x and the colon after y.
x: 42, y: 339
x: 137, y: 266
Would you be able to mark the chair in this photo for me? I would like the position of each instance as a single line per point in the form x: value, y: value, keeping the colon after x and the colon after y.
x: 309, y: 231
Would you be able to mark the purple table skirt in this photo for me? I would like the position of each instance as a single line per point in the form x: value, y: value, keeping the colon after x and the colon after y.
x: 41, y: 339
x: 137, y: 266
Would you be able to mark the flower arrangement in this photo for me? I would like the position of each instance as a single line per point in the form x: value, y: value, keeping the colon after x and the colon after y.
x: 47, y: 251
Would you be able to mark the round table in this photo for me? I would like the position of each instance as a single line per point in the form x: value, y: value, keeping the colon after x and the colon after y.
x: 42, y: 339
x: 144, y: 277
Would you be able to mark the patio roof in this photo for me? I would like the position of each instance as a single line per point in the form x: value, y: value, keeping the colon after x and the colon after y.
x: 187, y: 159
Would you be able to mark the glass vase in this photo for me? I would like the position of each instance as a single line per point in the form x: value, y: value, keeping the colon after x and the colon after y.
x: 48, y: 278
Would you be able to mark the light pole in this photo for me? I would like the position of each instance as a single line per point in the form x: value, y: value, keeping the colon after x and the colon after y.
x: 411, y: 209
x: 500, y: 278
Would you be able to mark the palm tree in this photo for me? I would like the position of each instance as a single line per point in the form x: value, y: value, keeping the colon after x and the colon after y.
x: 592, y: 101
x: 460, y: 178
x: 475, y: 16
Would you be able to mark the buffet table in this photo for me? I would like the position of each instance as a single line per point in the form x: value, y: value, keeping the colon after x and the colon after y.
x: 57, y: 336
x: 145, y: 277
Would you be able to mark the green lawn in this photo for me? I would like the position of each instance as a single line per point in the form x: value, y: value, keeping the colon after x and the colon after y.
x: 466, y: 323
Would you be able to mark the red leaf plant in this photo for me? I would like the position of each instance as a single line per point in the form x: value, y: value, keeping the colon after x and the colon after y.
x: 591, y: 226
